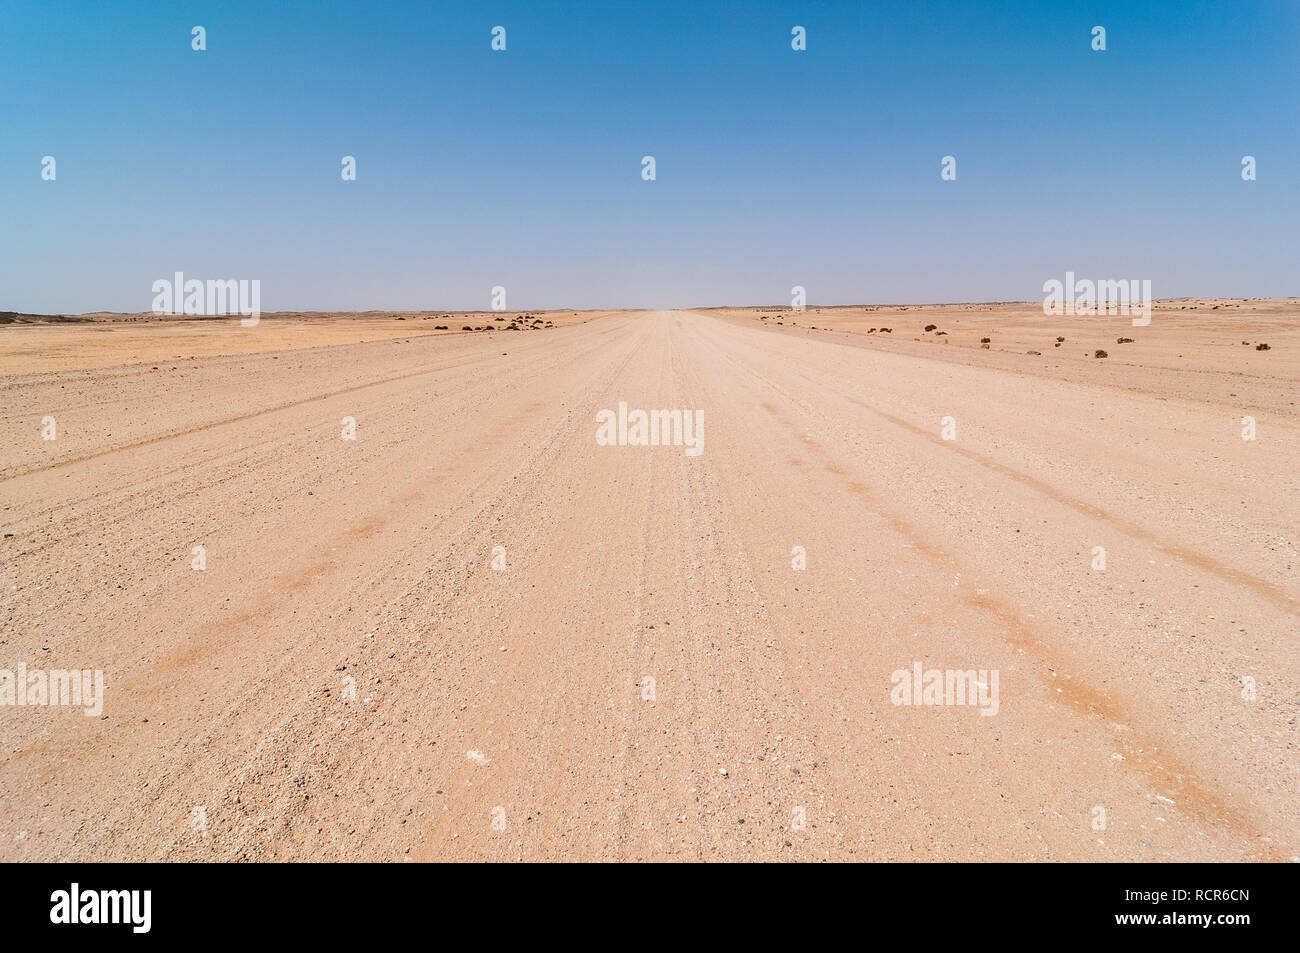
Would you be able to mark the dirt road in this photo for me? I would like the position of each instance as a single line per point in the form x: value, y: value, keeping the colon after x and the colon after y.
x: 647, y: 675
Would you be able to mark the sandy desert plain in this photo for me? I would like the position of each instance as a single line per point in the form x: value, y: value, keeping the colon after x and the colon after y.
x: 647, y: 675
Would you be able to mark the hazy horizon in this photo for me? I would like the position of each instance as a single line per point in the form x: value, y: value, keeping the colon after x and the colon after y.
x: 695, y: 307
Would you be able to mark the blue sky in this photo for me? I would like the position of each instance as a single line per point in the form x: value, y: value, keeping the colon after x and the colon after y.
x: 522, y: 169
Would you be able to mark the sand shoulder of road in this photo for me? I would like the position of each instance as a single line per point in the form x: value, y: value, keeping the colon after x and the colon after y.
x: 1193, y: 348
x: 42, y: 344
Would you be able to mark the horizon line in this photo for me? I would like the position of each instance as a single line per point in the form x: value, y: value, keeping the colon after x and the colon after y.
x: 710, y: 307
